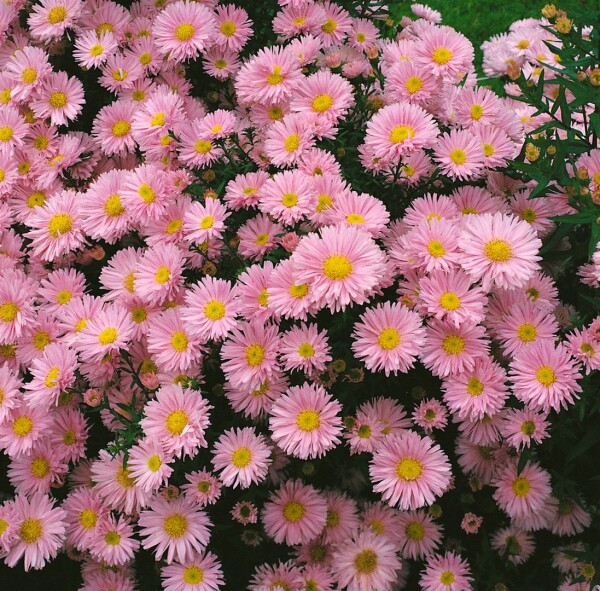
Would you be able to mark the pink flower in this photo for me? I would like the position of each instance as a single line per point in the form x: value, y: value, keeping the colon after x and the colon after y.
x: 243, y: 456
x: 16, y: 304
x: 288, y: 197
x: 446, y: 573
x: 205, y: 221
x: 200, y: 573
x: 112, y: 541
x: 295, y: 514
x: 176, y: 528
x: 388, y: 337
x: 459, y: 154
x: 419, y: 534
x: 305, y: 348
x: 159, y: 277
x: 36, y: 471
x: 84, y: 513
x: 203, y: 487
x: 58, y: 97
x: 149, y: 465
x: 183, y: 29
x: 22, y: 428
x: 41, y: 531
x: 306, y: 422
x: 409, y: 471
x: 50, y: 18
x: 287, y: 140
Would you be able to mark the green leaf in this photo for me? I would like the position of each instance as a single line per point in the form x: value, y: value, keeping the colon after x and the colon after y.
x: 583, y: 217
x: 589, y: 440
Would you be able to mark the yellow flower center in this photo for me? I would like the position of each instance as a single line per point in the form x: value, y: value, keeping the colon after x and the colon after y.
x: 179, y: 341
x: 337, y: 267
x: 414, y: 531
x: 176, y: 422
x: 476, y: 112
x: 401, y: 133
x: 333, y: 519
x: 413, y: 84
x: 31, y: 530
x: 441, y: 56
x: 22, y: 426
x: 113, y: 206
x: 241, y: 457
x: 59, y: 224
x: 69, y: 437
x: 88, y: 518
x: 147, y: 193
x: 292, y: 143
x: 453, y: 344
x: 36, y: 199
x: 139, y: 315
x: 254, y: 355
x: 324, y: 202
x: 57, y: 14
x: 57, y: 100
x: 545, y: 375
x: 293, y: 511
x: 108, y: 335
x: 262, y: 239
x: 361, y: 37
x: 29, y: 75
x: 228, y: 28
x: 409, y: 469
x: 52, y: 377
x: 308, y: 420
x: 121, y: 128
x: 488, y: 150
x: 163, y: 274
x: 521, y: 486
x: 6, y: 133
x: 529, y: 215
x: 203, y: 486
x: 458, y: 156
x: 112, y: 538
x: 528, y: 428
x: 203, y: 146
x: 64, y: 297
x: 184, y: 32
x: 8, y: 311
x: 436, y: 249
x: 365, y: 562
x: 39, y: 467
x: 193, y: 575
x: 388, y: 339
x: 298, y: 291
x: 450, y: 301
x: 322, y: 103
x: 527, y: 332
x: 158, y: 120
x: 275, y: 77
x: 214, y: 310
x: 306, y: 350
x: 96, y: 50
x: 498, y: 251
x: 447, y: 578
x: 355, y: 218
x: 475, y: 386
x: 329, y: 26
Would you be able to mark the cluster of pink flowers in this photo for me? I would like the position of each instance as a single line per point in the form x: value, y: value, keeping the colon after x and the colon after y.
x: 125, y: 290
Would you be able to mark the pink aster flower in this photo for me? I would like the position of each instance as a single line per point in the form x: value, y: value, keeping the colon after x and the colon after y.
x: 145, y: 193
x: 56, y: 227
x: 159, y: 277
x: 342, y: 518
x: 409, y: 471
x: 243, y: 456
x: 459, y: 154
x: 205, y: 221
x: 342, y: 266
x: 203, y: 487
x: 256, y: 402
x: 12, y: 130
x: 513, y: 544
x: 16, y: 305
x: 69, y: 434
x: 583, y: 346
x: 306, y: 422
x: 476, y: 392
x: 388, y: 337
x: 36, y: 471
x: 407, y: 82
x: 112, y: 127
x: 288, y: 197
x: 572, y: 518
x: 183, y: 29
x: 112, y: 541
x: 28, y: 67
x: 58, y: 97
x: 249, y: 354
x: 178, y: 529
x: 92, y: 49
x: 200, y: 573
x: 545, y: 376
x: 149, y: 465
x: 521, y: 494
x: 258, y: 236
x: 430, y: 414
x: 50, y: 18
x: 23, y: 427
x: 84, y: 512
x: 305, y: 348
x: 295, y: 514
x: 41, y: 531
x: 419, y: 534
x: 365, y: 561
x: 398, y: 129
x: 521, y: 427
x: 363, y: 210
x: 177, y: 418
x: 244, y: 512
x: 500, y: 250
x: 286, y: 297
x: 287, y: 140
x: 448, y: 572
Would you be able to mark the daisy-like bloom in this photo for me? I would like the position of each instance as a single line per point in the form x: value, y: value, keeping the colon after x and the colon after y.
x: 249, y: 354
x: 521, y: 427
x: 120, y: 72
x: 160, y: 274
x: 497, y: 146
x: 105, y: 334
x: 56, y: 227
x: 448, y: 572
x: 306, y: 421
x: 41, y: 531
x: 286, y: 296
x: 430, y: 207
x: 200, y: 573
x: 145, y: 193
x: 407, y: 82
x: 305, y: 348
x: 271, y: 76
x: 50, y: 18
x: 388, y: 337
x: 170, y: 343
x: 381, y: 519
x: 205, y: 221
x: 16, y: 304
x: 244, y: 190
x: 288, y: 197
x: 544, y: 376
x: 471, y: 523
x: 365, y: 561
x: 295, y: 514
x: 10, y: 385
x: 112, y: 127
x: 59, y: 287
x: 514, y: 544
x: 522, y: 494
x: 118, y: 274
x: 196, y: 148
x: 203, y: 487
x: 583, y: 346
x: 53, y: 373
x: 36, y: 471
x: 409, y: 471
x: 459, y: 154
x: 363, y: 210
x: 244, y: 512
x: 233, y: 27
x: 342, y: 266
x: 287, y: 140
x: 443, y: 51
x: 177, y: 419
x: 114, y: 484
x: 258, y: 236
x: 112, y: 541
x: 342, y: 519
x: 220, y: 63
x: 571, y: 518
x: 500, y: 250
x: 256, y: 402
x: 448, y: 295
x: 92, y: 48
x: 398, y: 129
x: 243, y: 456
x: 524, y: 325
x: 182, y: 30
x: 430, y: 414
x: 282, y: 575
x: 149, y: 465
x: 389, y: 413
x: 419, y: 534
x: 58, y: 97
x: 316, y: 576
x: 22, y: 428
x: 12, y: 130
x: 448, y: 350
x: 84, y: 511
x: 27, y: 67
x: 325, y: 95
x: 365, y: 433
x: 211, y: 309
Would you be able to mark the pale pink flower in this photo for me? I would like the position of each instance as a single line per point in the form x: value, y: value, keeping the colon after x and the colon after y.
x: 200, y: 573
